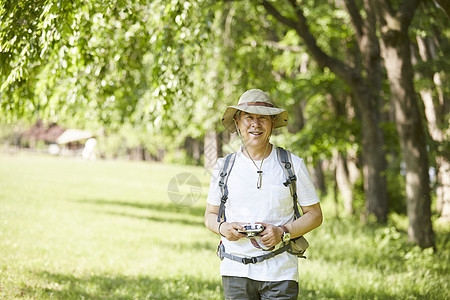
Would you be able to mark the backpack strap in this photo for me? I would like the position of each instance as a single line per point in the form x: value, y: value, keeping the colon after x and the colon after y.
x: 284, y: 157
x: 224, y: 174
x: 249, y: 260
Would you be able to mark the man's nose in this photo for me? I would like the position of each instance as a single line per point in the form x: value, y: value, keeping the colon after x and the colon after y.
x: 255, y: 122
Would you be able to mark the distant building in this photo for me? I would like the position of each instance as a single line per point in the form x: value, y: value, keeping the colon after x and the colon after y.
x: 55, y: 139
x: 40, y: 132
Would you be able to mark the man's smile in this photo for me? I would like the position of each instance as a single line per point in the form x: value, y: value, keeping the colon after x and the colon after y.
x: 255, y: 133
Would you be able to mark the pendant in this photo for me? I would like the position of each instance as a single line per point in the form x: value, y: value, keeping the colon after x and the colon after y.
x: 259, y: 182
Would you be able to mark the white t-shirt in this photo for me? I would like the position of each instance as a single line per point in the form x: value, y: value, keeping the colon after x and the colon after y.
x: 272, y: 204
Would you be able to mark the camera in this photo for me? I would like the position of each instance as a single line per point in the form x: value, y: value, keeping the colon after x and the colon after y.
x: 252, y: 230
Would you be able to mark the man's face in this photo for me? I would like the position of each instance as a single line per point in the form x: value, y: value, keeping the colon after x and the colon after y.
x: 255, y: 129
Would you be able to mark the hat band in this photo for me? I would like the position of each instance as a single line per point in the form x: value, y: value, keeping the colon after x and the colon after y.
x: 257, y: 103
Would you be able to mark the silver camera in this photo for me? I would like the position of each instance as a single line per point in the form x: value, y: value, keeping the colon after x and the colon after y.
x: 252, y: 230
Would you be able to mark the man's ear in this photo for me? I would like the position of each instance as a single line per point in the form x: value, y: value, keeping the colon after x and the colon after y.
x: 236, y: 117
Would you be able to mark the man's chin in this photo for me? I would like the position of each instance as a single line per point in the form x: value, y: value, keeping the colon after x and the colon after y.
x: 254, y: 142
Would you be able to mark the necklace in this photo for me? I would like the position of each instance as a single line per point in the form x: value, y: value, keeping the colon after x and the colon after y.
x: 259, y: 172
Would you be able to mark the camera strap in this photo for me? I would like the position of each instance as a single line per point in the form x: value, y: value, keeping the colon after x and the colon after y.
x: 257, y: 245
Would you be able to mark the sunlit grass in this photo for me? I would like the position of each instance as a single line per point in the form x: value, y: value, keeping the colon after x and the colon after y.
x: 72, y: 229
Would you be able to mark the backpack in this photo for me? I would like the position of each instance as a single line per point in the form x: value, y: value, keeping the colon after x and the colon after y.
x: 296, y: 246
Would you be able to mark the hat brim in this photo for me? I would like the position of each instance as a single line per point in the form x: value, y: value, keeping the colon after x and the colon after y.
x: 281, y: 116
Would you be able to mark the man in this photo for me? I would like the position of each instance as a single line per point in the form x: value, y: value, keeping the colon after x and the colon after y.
x: 257, y: 195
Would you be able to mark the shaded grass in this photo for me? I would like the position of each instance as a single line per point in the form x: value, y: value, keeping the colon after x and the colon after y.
x: 359, y: 261
x: 64, y: 286
x: 71, y: 229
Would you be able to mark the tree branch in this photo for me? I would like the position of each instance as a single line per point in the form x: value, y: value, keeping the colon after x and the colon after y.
x: 277, y: 45
x: 406, y: 12
x: 444, y: 5
x: 355, y: 16
x: 350, y: 75
x: 399, y: 20
x: 274, y: 12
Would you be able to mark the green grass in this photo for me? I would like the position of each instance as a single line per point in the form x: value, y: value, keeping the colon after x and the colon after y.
x: 71, y: 229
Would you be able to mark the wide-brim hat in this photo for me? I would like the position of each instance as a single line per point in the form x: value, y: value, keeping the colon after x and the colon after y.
x: 255, y: 102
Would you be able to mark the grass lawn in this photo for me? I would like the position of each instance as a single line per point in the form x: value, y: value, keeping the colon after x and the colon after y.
x: 71, y: 229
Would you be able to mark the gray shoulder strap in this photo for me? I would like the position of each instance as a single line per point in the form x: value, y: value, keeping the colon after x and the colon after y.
x: 284, y: 157
x: 249, y: 260
x: 224, y: 174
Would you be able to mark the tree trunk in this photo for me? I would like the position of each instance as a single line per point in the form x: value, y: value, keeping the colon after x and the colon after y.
x: 373, y: 159
x: 343, y: 181
x: 443, y: 190
x: 335, y: 193
x: 342, y: 174
x: 435, y: 111
x: 368, y: 98
x: 318, y: 178
x: 211, y: 149
x: 397, y: 58
x: 442, y: 164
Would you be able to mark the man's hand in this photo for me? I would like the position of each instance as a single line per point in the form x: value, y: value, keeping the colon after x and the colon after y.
x: 230, y: 231
x: 271, y: 236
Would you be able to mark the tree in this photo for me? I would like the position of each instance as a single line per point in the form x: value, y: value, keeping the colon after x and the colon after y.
x: 104, y: 63
x: 364, y: 81
x: 168, y: 68
x: 429, y: 47
x: 394, y: 26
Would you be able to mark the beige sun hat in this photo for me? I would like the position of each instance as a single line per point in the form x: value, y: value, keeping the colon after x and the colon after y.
x: 257, y: 102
